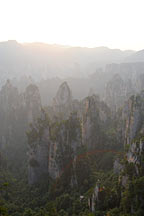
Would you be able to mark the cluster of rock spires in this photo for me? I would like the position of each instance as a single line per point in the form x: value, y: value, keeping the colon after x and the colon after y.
x: 55, y: 134
x: 134, y: 132
x: 132, y: 122
x: 17, y: 111
x: 54, y: 142
x: 92, y: 116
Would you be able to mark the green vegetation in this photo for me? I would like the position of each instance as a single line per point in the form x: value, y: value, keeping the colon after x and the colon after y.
x: 87, y: 185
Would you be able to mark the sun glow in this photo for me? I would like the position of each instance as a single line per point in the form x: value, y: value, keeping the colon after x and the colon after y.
x: 113, y: 23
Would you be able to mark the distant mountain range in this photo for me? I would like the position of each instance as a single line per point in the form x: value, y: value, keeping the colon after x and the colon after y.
x: 44, y: 60
x: 136, y: 57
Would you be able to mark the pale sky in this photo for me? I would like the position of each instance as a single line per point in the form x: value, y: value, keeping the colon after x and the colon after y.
x: 92, y: 23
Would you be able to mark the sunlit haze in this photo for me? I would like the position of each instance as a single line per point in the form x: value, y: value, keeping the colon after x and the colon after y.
x: 91, y: 23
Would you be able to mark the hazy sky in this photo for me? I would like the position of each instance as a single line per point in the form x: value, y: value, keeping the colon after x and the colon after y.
x: 112, y: 23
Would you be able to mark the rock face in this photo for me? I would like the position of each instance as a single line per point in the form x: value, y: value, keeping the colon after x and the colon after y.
x: 63, y: 96
x: 127, y: 80
x: 133, y: 113
x: 135, y: 155
x: 32, y: 102
x: 96, y: 114
x: 134, y: 130
x: 115, y: 92
x: 9, y: 102
x: 52, y: 147
x: 118, y: 91
x: 9, y: 97
x: 117, y: 166
x: 94, y: 198
x: 39, y: 142
x: 39, y: 145
x: 63, y: 100
x: 13, y: 124
x: 17, y: 111
x: 63, y: 103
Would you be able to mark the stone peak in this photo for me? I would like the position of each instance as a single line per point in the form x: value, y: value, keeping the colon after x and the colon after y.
x: 8, y: 86
x: 63, y: 95
x: 32, y: 88
x: 32, y: 94
x: 64, y: 85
